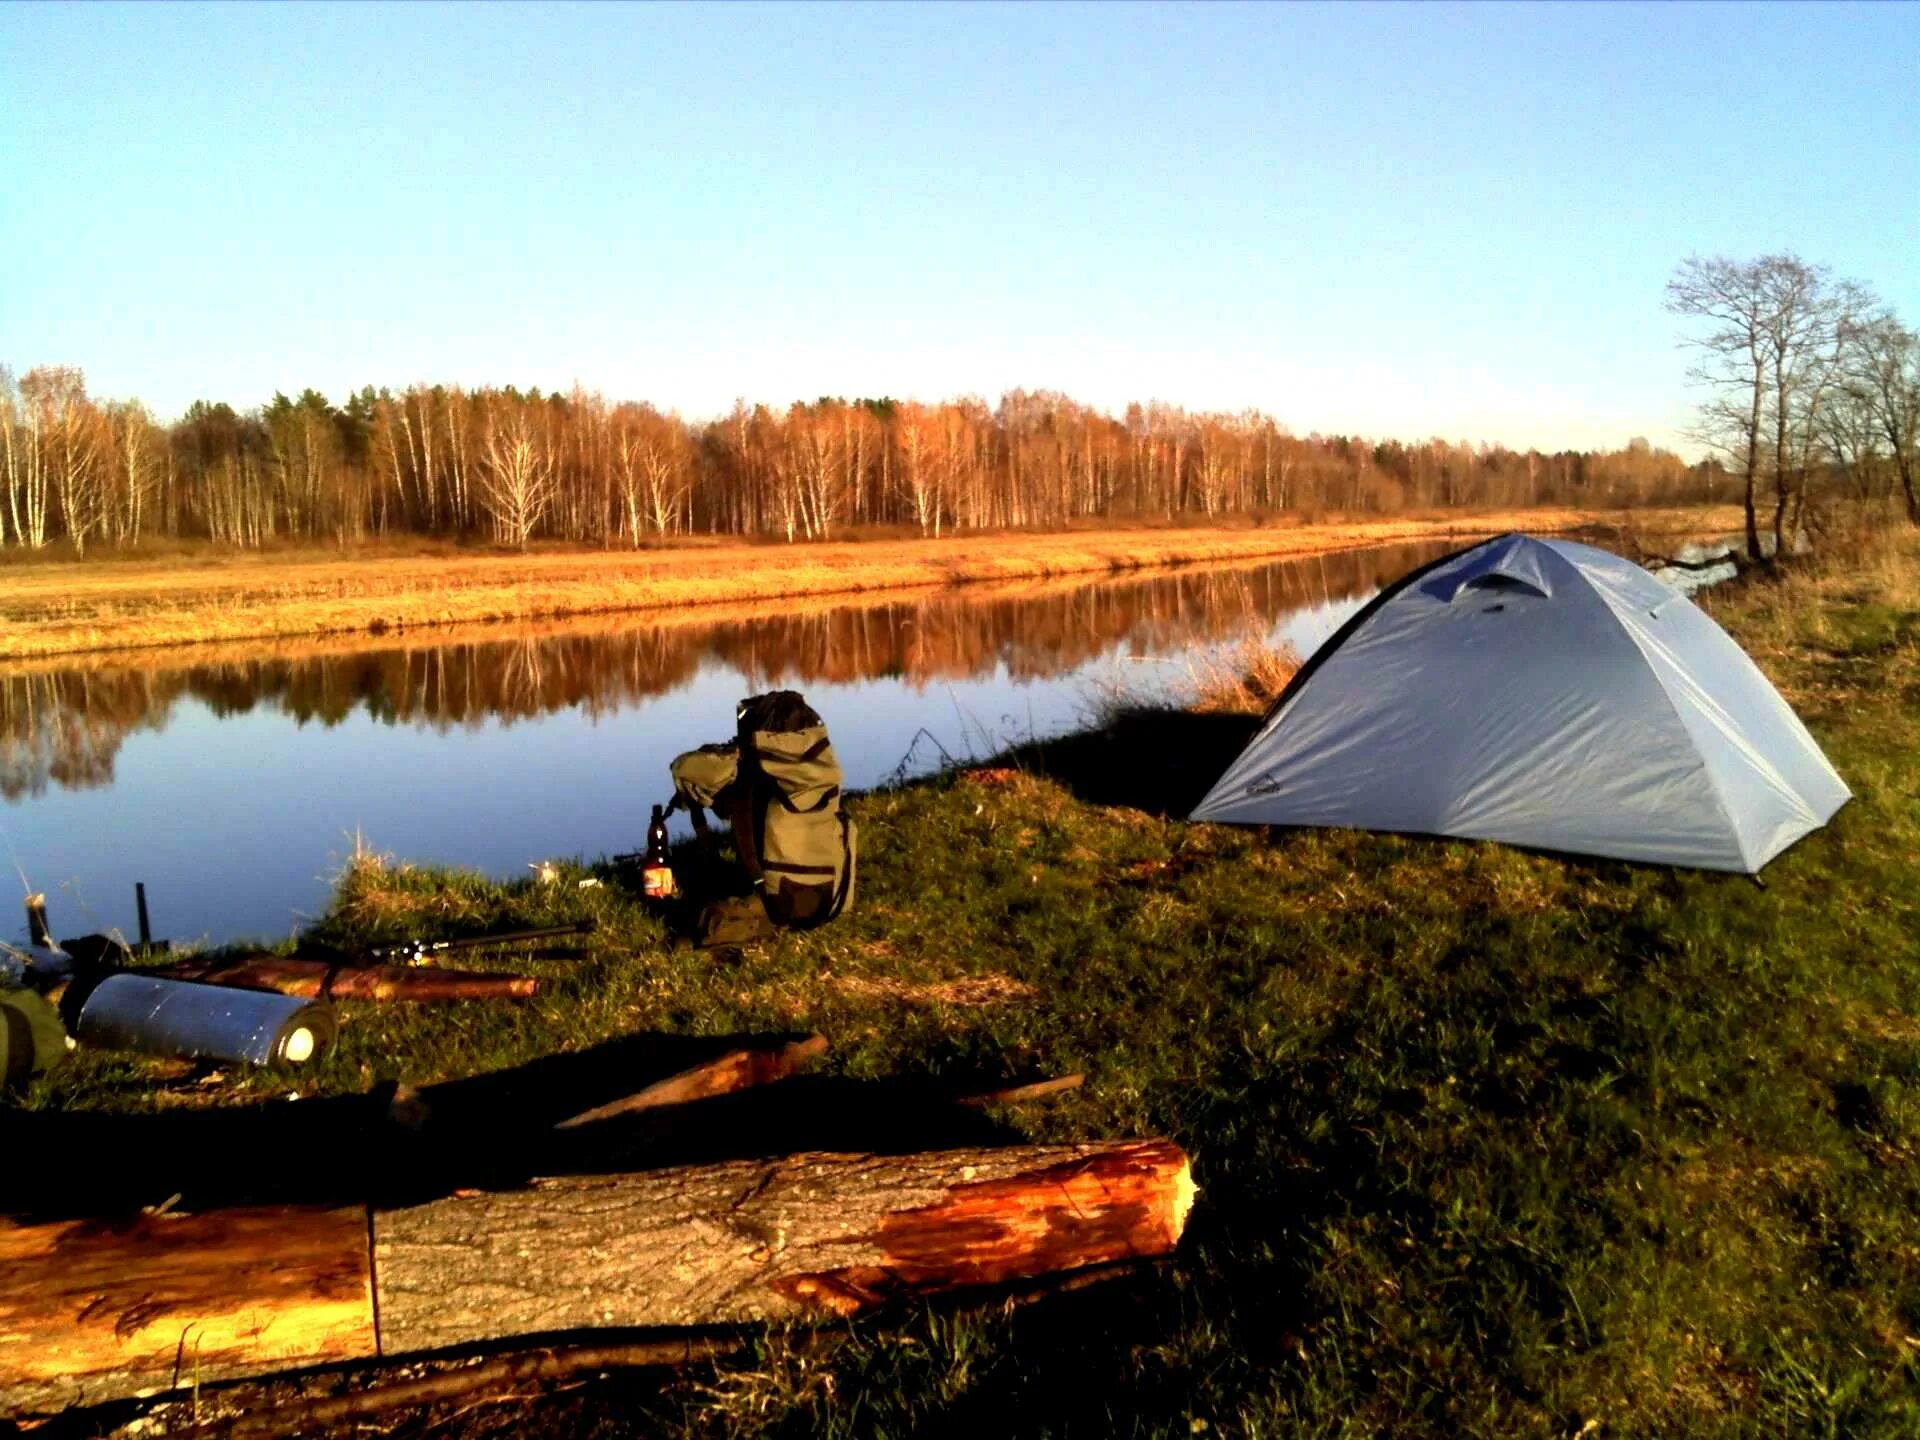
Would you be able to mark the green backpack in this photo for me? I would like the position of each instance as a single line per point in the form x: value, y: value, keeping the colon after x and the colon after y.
x: 805, y: 847
x: 32, y: 1038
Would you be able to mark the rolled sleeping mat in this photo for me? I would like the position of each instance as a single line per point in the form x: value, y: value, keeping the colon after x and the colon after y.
x: 217, y: 1022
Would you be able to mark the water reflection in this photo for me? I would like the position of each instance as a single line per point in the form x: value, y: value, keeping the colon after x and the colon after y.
x: 234, y: 779
x: 64, y: 727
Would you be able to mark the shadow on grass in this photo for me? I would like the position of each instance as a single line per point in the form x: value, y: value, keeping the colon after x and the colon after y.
x: 1158, y: 760
x: 493, y: 1130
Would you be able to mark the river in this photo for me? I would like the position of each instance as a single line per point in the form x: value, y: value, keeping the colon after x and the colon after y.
x: 234, y: 781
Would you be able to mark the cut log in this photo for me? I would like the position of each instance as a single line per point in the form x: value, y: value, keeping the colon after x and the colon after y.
x: 765, y: 1239
x: 92, y: 1312
x: 293, y: 975
x: 736, y: 1070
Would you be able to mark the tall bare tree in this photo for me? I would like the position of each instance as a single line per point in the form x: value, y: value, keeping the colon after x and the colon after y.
x: 1882, y: 379
x: 66, y: 430
x: 1770, y: 334
x: 1731, y: 298
x: 516, y: 474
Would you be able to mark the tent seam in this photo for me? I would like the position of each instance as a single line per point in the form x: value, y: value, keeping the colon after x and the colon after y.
x: 1713, y: 783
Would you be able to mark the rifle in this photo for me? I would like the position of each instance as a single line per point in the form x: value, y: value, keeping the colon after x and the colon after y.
x: 417, y: 952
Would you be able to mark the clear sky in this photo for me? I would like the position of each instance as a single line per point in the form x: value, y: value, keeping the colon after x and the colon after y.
x: 1392, y: 220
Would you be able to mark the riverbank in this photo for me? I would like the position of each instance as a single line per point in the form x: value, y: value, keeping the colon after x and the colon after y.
x: 1487, y: 1142
x: 62, y: 609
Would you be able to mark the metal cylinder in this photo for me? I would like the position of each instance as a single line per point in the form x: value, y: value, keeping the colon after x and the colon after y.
x: 217, y: 1022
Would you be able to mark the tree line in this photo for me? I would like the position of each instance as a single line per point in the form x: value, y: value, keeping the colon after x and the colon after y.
x: 514, y: 466
x: 1811, y: 388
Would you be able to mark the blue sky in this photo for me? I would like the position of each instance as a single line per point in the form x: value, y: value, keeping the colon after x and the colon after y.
x: 1394, y: 219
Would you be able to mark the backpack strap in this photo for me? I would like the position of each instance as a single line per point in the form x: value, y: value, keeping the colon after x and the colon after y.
x: 839, y: 901
x: 833, y: 794
x: 805, y: 757
x: 783, y: 867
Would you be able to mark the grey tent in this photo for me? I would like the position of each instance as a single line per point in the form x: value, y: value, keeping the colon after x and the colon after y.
x: 1546, y: 694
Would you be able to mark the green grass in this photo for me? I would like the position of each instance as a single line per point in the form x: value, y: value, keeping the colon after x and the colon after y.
x: 1488, y: 1143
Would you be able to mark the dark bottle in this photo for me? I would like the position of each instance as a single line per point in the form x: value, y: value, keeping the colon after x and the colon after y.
x: 656, y: 873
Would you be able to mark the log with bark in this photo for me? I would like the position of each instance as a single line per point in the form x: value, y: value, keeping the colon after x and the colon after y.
x: 95, y: 1312
x: 296, y: 975
x: 263, y: 1409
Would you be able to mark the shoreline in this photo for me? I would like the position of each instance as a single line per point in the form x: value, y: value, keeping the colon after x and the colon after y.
x: 72, y: 610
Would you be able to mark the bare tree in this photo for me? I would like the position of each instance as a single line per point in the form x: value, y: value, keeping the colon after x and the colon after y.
x: 66, y: 431
x: 1808, y: 320
x: 516, y: 474
x: 1770, y: 357
x: 137, y: 443
x: 20, y: 455
x: 1882, y: 380
x: 919, y: 477
x: 1731, y: 298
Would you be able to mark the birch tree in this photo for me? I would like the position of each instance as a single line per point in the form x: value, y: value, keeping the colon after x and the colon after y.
x: 516, y: 474
x: 66, y: 432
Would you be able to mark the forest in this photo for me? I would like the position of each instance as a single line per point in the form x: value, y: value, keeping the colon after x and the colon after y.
x: 1810, y: 391
x: 510, y: 467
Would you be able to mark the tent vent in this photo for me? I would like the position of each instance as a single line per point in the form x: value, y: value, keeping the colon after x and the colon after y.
x: 1495, y: 580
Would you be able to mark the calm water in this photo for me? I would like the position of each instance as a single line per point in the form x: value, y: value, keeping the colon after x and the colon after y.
x: 234, y: 782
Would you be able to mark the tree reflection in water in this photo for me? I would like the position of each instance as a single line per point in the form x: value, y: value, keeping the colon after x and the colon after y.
x: 63, y: 727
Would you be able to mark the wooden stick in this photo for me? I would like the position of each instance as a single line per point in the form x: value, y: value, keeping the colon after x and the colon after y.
x: 1019, y: 1094
x: 294, y: 975
x: 497, y: 1372
x: 734, y: 1071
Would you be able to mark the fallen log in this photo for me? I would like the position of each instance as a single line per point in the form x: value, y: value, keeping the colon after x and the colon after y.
x: 727, y: 1074
x: 765, y: 1239
x: 95, y: 1312
x: 260, y: 1415
x: 295, y: 975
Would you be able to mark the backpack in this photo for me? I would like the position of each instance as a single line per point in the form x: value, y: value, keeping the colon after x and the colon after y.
x: 31, y: 1036
x: 804, y: 846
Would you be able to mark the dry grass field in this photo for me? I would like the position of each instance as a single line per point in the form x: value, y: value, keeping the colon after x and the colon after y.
x: 60, y: 609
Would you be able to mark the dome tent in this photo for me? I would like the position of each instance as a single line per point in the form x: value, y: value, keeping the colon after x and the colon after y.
x: 1545, y: 694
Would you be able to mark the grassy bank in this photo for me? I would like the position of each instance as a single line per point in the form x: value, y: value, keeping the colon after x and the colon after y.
x: 1488, y: 1143
x: 58, y: 609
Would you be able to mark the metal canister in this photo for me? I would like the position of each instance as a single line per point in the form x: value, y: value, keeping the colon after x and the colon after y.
x: 218, y: 1022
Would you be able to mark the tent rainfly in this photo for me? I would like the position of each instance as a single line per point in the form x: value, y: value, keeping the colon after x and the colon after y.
x: 1545, y: 694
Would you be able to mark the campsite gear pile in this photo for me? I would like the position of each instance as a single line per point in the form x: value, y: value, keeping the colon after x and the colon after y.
x: 778, y: 784
x: 50, y: 989
x: 267, y: 1010
x: 1545, y: 694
